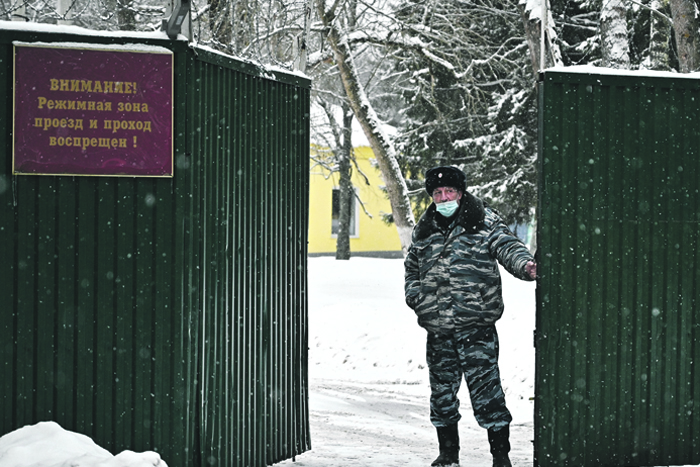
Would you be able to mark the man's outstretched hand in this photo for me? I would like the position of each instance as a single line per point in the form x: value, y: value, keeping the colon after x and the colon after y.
x: 531, y: 269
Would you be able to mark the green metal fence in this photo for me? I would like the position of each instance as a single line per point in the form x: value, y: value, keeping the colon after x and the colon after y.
x: 166, y: 314
x: 618, y: 302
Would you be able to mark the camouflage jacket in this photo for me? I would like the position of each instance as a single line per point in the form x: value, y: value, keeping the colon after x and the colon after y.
x: 452, y: 276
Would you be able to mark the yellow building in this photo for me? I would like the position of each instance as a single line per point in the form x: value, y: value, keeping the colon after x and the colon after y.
x: 369, y: 234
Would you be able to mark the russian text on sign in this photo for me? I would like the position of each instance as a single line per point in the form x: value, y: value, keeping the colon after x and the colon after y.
x: 86, y: 85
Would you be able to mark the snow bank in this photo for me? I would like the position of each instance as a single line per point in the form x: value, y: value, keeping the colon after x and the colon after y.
x: 46, y: 444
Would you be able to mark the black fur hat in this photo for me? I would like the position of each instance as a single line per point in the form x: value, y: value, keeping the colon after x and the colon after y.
x: 445, y: 176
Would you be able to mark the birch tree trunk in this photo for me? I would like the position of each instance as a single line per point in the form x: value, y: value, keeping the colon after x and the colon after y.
x: 614, y: 42
x: 384, y: 152
x: 686, y: 26
x: 659, y: 50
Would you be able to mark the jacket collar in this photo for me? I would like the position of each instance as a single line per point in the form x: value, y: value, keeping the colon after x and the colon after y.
x: 470, y: 216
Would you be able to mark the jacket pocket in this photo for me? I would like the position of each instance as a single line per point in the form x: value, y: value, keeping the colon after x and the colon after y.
x: 426, y: 311
x: 426, y: 259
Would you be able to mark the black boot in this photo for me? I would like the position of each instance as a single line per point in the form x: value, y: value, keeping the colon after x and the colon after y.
x: 500, y: 446
x: 448, y: 438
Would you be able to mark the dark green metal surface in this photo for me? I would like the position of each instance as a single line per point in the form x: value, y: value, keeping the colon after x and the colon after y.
x: 618, y: 334
x: 253, y: 135
x: 166, y: 314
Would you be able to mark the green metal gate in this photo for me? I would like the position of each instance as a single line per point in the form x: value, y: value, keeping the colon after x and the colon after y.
x: 166, y: 314
x: 618, y: 325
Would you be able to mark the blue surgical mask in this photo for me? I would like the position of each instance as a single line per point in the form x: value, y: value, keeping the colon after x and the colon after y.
x: 447, y: 208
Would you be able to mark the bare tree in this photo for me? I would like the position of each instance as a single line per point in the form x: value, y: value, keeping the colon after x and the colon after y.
x: 339, y: 159
x: 220, y: 23
x: 346, y: 195
x: 397, y: 191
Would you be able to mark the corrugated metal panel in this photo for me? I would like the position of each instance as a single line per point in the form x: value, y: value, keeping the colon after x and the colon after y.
x: 90, y: 318
x: 91, y: 338
x: 166, y: 314
x: 253, y: 135
x: 618, y: 305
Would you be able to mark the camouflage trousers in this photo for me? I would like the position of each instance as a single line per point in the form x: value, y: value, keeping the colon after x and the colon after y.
x: 474, y: 354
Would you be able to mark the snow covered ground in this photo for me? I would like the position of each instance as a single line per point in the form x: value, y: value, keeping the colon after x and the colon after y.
x: 368, y: 380
x: 369, y: 385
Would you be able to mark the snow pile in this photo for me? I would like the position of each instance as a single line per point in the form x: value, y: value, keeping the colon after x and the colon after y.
x: 46, y: 444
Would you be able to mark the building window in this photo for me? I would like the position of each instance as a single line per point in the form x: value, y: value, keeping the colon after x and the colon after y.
x: 336, y: 215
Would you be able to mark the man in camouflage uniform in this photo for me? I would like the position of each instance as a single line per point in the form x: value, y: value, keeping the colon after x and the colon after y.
x: 454, y: 286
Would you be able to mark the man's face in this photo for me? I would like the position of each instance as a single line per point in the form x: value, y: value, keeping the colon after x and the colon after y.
x: 446, y: 193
